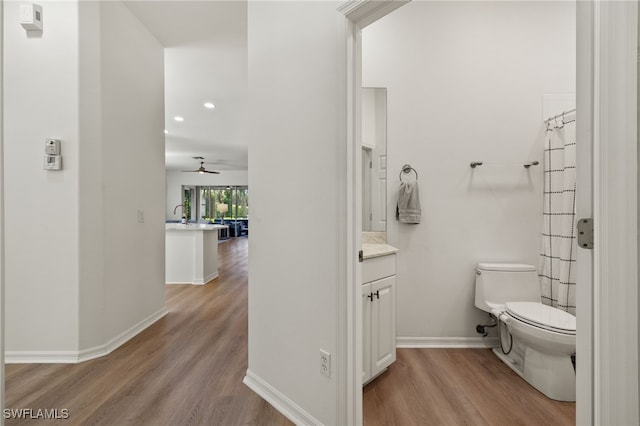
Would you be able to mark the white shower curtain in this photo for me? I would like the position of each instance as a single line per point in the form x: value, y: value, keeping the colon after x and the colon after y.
x: 559, y: 245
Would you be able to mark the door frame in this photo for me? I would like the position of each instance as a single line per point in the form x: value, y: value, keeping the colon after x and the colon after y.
x: 584, y: 209
x: 358, y: 15
x: 607, y: 42
x: 2, y: 232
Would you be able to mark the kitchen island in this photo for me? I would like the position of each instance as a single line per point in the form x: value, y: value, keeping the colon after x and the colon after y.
x: 191, y: 253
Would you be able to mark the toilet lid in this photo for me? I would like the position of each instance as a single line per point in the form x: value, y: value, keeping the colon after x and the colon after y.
x: 543, y: 316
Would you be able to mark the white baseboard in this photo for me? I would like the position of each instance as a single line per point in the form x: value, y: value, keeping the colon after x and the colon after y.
x: 446, y: 342
x: 279, y: 401
x: 210, y: 277
x: 74, y: 357
x: 204, y: 281
x: 126, y: 335
x: 41, y: 357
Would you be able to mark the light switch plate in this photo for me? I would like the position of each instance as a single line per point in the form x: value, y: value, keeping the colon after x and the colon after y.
x: 52, y: 162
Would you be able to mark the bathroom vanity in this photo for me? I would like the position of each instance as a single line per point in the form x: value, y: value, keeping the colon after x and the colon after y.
x: 379, y: 258
x: 378, y: 309
x: 191, y: 253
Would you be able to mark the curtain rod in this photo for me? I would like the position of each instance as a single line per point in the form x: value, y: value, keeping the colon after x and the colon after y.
x: 559, y: 115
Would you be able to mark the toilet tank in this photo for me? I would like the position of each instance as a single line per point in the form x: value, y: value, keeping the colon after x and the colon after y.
x: 498, y: 283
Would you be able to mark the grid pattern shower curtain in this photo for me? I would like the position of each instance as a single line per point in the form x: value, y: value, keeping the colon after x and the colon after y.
x: 559, y: 239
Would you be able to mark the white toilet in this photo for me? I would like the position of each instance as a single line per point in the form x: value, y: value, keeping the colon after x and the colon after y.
x: 539, y: 340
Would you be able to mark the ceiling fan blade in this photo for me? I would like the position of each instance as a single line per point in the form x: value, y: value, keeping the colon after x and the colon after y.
x: 201, y: 170
x: 223, y: 163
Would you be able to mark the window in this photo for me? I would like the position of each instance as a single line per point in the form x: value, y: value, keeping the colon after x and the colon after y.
x: 188, y: 199
x: 217, y: 203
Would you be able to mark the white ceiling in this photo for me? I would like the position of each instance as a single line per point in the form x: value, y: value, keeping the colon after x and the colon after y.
x: 205, y: 61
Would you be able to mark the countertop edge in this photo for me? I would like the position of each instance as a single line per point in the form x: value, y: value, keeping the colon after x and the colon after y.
x: 372, y: 250
x: 197, y: 228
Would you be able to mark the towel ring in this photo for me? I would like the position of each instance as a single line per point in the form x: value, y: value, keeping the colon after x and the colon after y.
x: 408, y: 169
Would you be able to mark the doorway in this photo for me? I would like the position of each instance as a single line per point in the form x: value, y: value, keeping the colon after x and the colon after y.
x: 594, y: 37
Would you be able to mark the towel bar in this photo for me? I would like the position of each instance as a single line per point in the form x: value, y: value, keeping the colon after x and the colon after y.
x: 408, y: 169
x: 475, y: 164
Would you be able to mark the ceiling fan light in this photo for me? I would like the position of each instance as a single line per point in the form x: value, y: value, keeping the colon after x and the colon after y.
x: 209, y: 105
x: 178, y: 118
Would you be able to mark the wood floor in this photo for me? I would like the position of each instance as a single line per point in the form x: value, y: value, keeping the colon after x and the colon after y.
x: 457, y: 387
x: 187, y: 369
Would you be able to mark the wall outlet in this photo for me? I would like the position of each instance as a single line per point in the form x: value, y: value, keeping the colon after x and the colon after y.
x: 325, y: 363
x: 140, y: 216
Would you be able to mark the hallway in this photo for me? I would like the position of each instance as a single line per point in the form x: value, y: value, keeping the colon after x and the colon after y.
x: 185, y: 369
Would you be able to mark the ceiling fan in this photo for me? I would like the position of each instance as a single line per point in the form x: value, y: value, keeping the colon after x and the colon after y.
x: 224, y: 163
x: 202, y: 170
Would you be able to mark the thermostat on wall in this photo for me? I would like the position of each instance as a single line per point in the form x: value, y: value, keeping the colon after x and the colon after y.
x: 52, y: 146
x: 31, y: 17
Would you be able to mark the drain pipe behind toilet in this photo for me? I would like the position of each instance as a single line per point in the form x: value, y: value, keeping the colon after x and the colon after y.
x: 482, y: 328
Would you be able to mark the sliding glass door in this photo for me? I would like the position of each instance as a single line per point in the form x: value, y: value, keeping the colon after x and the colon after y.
x: 219, y: 204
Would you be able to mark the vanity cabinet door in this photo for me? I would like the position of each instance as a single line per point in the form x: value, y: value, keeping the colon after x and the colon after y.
x: 366, y: 332
x: 383, y: 324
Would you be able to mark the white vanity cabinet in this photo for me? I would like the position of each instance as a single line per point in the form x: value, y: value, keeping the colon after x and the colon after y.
x: 378, y: 315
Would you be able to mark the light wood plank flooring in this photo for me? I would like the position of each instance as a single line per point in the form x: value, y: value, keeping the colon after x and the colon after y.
x: 187, y: 369
x: 457, y: 387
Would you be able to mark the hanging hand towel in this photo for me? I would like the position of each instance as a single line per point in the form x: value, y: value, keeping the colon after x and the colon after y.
x: 408, y: 209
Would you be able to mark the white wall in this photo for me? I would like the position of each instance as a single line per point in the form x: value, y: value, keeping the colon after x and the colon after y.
x: 638, y: 141
x: 80, y: 267
x: 175, y: 180
x: 295, y: 51
x: 2, y: 232
x: 41, y: 208
x: 132, y: 156
x: 465, y: 82
x: 91, y: 220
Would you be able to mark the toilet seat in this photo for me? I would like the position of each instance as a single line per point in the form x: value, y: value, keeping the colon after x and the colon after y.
x: 543, y: 316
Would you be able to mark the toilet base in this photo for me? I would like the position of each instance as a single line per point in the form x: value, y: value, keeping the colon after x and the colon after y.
x: 552, y: 375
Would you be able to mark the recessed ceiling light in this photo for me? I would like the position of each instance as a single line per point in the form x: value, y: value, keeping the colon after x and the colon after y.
x: 178, y: 118
x: 209, y: 105
x: 166, y: 132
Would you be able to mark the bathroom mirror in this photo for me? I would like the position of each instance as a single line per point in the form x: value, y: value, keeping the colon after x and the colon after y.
x: 374, y: 159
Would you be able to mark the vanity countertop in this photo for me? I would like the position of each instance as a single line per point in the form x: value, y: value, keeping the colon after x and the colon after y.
x: 370, y: 250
